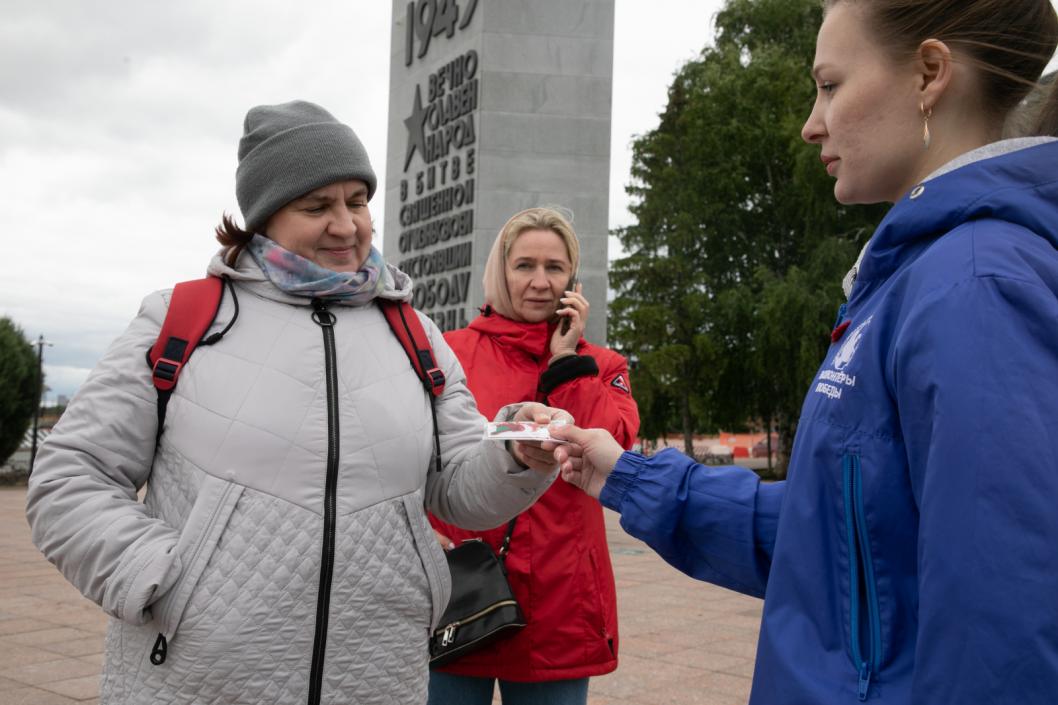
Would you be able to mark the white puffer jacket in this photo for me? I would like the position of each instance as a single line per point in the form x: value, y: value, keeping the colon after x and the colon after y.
x: 225, y: 557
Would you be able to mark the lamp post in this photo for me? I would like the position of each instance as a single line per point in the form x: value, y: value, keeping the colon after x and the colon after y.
x: 36, y: 413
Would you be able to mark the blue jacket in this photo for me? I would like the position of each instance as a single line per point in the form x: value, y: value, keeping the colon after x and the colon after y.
x: 912, y: 554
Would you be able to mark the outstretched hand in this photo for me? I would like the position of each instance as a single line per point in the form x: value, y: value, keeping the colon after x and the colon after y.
x: 531, y: 454
x: 589, y: 457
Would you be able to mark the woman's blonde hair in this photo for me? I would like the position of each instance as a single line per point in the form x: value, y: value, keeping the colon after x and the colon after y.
x: 497, y: 295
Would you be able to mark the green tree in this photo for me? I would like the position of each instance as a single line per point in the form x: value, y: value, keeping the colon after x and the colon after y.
x: 20, y: 386
x: 732, y: 274
x: 657, y: 315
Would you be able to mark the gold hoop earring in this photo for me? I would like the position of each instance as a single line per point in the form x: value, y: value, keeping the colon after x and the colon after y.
x: 926, y: 115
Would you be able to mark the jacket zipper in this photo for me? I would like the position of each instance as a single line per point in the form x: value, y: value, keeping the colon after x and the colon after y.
x: 860, y: 561
x: 325, y: 319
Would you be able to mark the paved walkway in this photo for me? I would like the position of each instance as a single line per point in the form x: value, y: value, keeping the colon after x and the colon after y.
x: 682, y: 642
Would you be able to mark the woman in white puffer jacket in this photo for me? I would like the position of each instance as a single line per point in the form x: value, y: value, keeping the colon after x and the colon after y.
x: 281, y: 553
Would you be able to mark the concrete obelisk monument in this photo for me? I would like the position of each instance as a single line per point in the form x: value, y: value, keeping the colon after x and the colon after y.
x: 495, y: 106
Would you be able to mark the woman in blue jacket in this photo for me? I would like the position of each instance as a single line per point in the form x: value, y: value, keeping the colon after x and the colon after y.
x: 912, y: 554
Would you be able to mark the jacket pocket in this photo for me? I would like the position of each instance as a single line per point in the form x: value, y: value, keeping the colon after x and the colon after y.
x: 865, y: 639
x: 602, y: 623
x: 199, y: 537
x: 596, y: 599
x: 432, y: 556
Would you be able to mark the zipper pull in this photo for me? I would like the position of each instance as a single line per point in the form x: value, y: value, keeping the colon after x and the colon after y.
x: 320, y: 315
x: 159, y: 651
x: 841, y: 314
x: 865, y: 680
x: 449, y: 634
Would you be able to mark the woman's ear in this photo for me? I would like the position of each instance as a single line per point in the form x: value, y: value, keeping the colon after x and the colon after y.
x: 935, y: 69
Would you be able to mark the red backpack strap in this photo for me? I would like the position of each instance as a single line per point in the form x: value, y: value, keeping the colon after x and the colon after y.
x: 409, y: 331
x: 192, y: 308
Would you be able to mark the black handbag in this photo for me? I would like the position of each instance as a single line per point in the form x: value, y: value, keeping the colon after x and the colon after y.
x: 482, y: 607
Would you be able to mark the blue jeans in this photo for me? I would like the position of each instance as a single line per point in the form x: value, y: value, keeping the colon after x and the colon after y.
x: 446, y: 689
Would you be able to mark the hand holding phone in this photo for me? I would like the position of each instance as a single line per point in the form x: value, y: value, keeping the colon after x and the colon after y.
x: 567, y: 321
x: 574, y: 309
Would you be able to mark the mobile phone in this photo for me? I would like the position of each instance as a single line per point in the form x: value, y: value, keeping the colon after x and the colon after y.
x: 566, y: 320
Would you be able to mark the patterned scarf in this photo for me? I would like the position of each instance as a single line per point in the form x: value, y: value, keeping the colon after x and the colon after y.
x: 298, y: 276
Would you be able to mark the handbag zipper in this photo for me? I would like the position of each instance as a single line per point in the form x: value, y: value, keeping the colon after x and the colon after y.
x: 449, y: 634
x: 325, y: 320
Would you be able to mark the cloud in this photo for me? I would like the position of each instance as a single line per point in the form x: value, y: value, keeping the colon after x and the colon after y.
x: 118, y: 136
x: 642, y: 78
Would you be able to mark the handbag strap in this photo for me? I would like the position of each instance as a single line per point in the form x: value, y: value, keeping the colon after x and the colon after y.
x: 506, y: 545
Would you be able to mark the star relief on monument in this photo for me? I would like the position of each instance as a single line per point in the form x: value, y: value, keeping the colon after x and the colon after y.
x: 416, y: 124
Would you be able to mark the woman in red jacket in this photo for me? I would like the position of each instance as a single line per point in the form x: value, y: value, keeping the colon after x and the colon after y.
x: 519, y: 349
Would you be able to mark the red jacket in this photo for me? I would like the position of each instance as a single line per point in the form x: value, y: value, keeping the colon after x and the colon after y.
x: 558, y: 563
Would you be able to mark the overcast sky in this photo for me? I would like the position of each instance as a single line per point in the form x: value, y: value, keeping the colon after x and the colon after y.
x: 119, y: 122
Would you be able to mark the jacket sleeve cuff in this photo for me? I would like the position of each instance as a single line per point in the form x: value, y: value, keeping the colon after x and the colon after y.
x: 567, y: 368
x: 624, y: 475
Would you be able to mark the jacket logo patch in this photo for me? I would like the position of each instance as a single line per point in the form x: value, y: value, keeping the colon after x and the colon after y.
x: 620, y: 383
x: 832, y: 382
x: 848, y: 348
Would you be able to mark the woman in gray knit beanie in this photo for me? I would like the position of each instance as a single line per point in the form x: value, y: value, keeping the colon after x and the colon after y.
x: 281, y: 553
x: 290, y: 151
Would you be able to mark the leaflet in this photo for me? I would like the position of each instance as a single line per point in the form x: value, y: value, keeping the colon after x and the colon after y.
x: 519, y: 431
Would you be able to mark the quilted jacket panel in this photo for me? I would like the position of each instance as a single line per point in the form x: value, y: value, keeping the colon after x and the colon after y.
x: 248, y: 631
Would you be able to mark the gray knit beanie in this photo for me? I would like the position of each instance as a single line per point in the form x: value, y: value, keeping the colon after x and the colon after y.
x: 290, y: 149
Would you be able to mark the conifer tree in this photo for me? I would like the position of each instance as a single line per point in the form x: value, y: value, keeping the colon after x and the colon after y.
x: 20, y: 386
